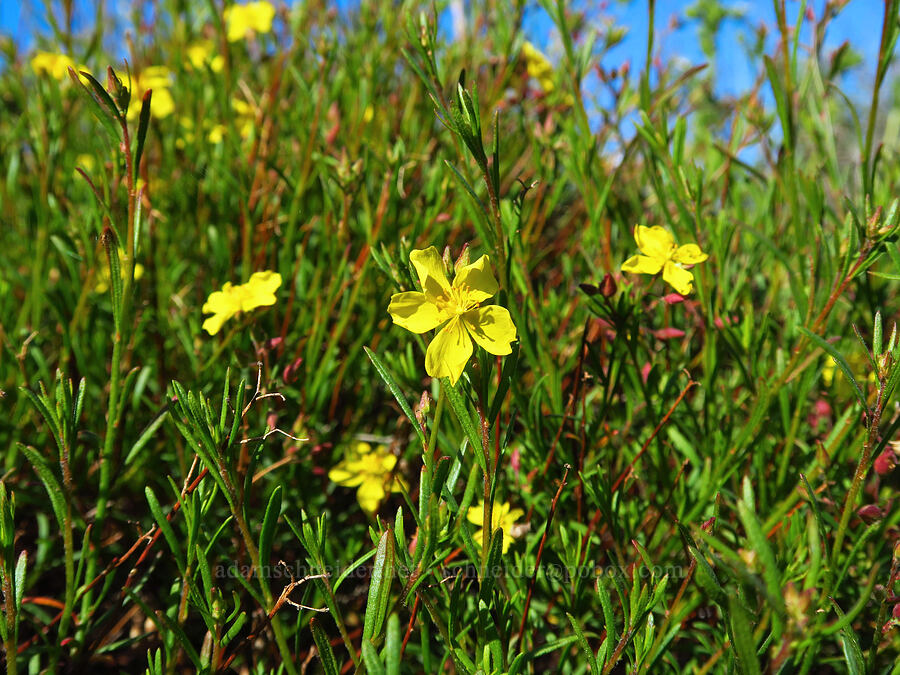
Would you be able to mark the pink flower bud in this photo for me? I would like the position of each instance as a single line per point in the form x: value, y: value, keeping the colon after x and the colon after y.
x: 885, y: 462
x: 673, y: 298
x: 669, y: 333
x: 869, y: 513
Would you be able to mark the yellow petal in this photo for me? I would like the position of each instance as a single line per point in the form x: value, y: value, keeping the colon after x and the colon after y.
x: 641, y: 264
x: 259, y: 291
x: 255, y: 16
x: 412, y: 311
x: 449, y: 352
x: 689, y: 254
x: 214, y: 323
x: 492, y: 328
x: 343, y: 476
x: 430, y: 270
x: 479, y: 279
x: 475, y: 514
x: 655, y: 241
x: 370, y: 494
x: 680, y: 279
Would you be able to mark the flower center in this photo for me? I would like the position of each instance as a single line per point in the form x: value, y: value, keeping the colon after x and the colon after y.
x: 456, y: 300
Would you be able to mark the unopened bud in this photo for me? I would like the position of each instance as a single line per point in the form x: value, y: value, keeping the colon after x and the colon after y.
x: 608, y: 286
x: 870, y: 513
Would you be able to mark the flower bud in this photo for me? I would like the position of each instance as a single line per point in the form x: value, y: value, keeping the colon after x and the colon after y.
x: 870, y: 513
x: 608, y: 286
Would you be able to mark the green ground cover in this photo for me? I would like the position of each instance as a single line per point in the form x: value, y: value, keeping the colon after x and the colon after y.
x: 633, y: 412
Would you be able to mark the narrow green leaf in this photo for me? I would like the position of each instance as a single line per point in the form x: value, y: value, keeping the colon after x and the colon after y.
x: 143, y: 126
x: 583, y: 643
x: 379, y: 587
x: 326, y: 655
x: 51, y: 484
x: 742, y: 633
x: 267, y: 532
x: 392, y: 646
x: 395, y: 390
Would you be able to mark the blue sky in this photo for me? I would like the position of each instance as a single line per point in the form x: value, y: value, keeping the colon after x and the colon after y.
x: 859, y: 23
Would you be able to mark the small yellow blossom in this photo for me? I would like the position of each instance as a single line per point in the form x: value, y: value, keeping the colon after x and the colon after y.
x: 232, y: 300
x: 245, y: 120
x: 202, y: 55
x: 55, y: 65
x: 662, y: 253
x: 538, y: 67
x: 85, y: 162
x: 101, y: 285
x: 254, y: 16
x: 370, y: 469
x: 456, y: 307
x: 157, y: 78
x: 502, y: 517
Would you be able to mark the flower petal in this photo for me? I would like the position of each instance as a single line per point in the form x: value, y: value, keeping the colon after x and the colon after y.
x: 479, y: 279
x: 475, y: 514
x: 370, y: 494
x: 492, y: 328
x: 449, y: 352
x: 655, y: 241
x: 259, y: 291
x: 412, y: 311
x: 213, y: 324
x: 343, y: 475
x: 678, y: 278
x: 429, y: 265
x: 689, y: 254
x: 641, y: 264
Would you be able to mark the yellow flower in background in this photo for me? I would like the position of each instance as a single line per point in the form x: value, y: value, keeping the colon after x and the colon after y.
x: 538, y: 66
x: 371, y: 470
x: 662, y: 253
x: 245, y: 119
x: 101, y: 285
x: 202, y: 54
x: 232, y: 300
x: 157, y: 78
x: 502, y: 517
x: 55, y: 65
x: 254, y: 16
x: 456, y: 307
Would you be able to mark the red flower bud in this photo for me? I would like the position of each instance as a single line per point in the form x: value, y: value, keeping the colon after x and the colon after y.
x: 870, y: 513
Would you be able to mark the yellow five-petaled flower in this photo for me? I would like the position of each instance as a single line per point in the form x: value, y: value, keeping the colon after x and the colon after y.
x: 371, y: 470
x: 662, y: 253
x: 455, y: 307
x: 502, y: 517
x: 231, y: 300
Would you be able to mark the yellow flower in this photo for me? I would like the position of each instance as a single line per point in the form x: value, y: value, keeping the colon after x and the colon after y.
x: 662, y: 253
x: 245, y: 119
x: 502, y: 517
x: 101, y: 285
x: 201, y: 55
x: 457, y: 306
x: 232, y: 300
x: 157, y: 78
x: 255, y: 16
x: 369, y: 469
x: 55, y: 65
x: 538, y: 67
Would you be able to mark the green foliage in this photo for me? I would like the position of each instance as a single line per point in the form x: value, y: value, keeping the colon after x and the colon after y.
x: 648, y: 483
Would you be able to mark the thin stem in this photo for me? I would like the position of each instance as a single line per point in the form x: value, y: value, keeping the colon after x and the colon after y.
x: 277, y: 629
x: 859, y: 476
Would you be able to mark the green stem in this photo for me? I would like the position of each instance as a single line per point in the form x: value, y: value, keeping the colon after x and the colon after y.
x: 859, y: 476
x: 9, y: 603
x: 277, y: 629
